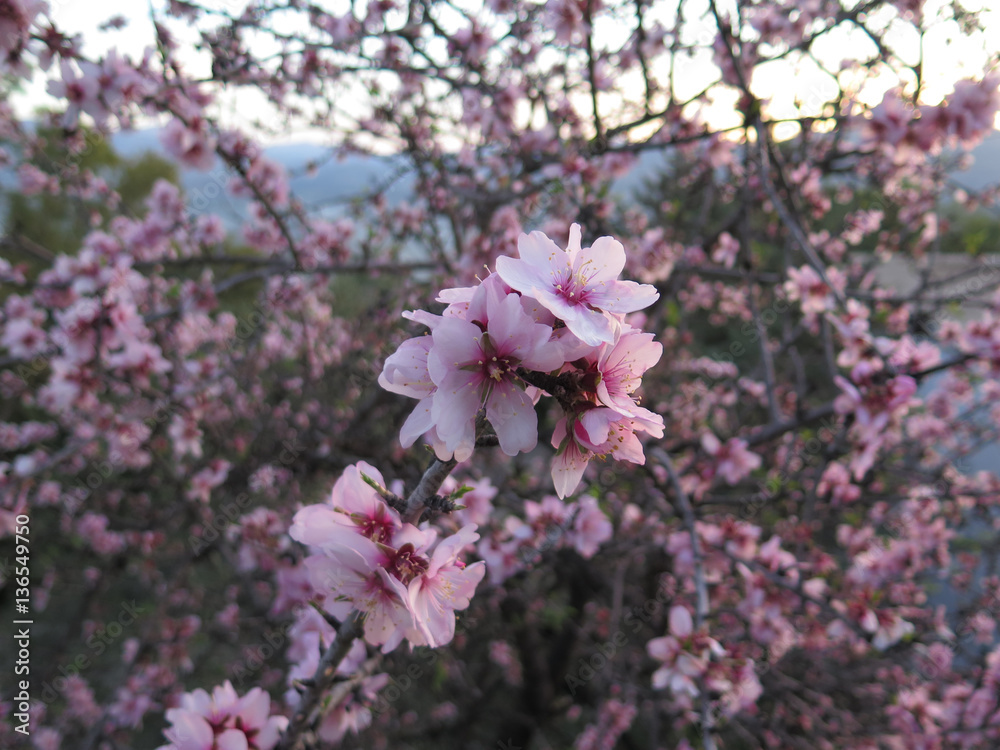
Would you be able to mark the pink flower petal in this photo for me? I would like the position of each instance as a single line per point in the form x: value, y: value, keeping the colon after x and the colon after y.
x: 681, y: 624
x: 512, y: 415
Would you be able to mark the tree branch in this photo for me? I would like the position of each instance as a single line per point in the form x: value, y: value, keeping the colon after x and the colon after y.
x: 424, y: 492
x: 700, y: 584
x: 322, y: 680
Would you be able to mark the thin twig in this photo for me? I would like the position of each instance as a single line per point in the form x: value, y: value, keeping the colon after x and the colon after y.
x: 701, y: 586
x: 393, y: 500
x: 321, y: 680
x: 426, y: 489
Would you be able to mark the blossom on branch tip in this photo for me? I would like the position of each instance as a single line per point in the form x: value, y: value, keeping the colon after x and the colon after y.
x: 405, y: 581
x: 475, y: 368
x: 550, y: 323
x: 579, y: 286
x: 353, y: 504
x: 597, y: 432
x: 223, y: 721
x: 733, y: 459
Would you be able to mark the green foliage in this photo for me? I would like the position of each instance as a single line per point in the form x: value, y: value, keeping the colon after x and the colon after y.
x: 972, y: 232
x: 138, y: 177
x: 45, y: 223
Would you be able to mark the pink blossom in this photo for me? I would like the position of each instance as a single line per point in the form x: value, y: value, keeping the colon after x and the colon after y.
x: 681, y: 624
x: 266, y: 177
x: 23, y: 338
x: 405, y: 372
x: 186, y: 436
x: 615, y: 719
x: 836, y: 481
x: 80, y: 699
x: 566, y: 17
x: 16, y: 19
x: 733, y: 461
x: 551, y: 511
x: 351, y: 715
x: 353, y: 504
x: 34, y: 181
x: 890, y: 120
x: 597, y: 432
x: 813, y: 294
x: 891, y: 629
x: 972, y: 107
x: 726, y: 250
x: 591, y: 527
x: 209, y: 230
x: 684, y: 655
x: 223, y: 720
x: 579, y: 285
x: 621, y: 366
x: 391, y: 572
x: 351, y: 575
x: 292, y: 582
x: 193, y: 145
x: 777, y: 560
x: 79, y: 90
x: 876, y: 406
x: 474, y: 368
x: 472, y: 43
x: 446, y: 586
x: 132, y: 702
x: 308, y: 637
x: 504, y: 656
x: 46, y: 738
x: 500, y: 551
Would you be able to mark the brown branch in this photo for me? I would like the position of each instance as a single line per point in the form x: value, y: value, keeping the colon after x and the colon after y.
x: 424, y: 493
x: 700, y: 584
x: 600, y: 139
x: 321, y: 681
x: 796, y: 588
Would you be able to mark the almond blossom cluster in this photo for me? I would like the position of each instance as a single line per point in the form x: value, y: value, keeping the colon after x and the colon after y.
x: 309, y: 636
x: 690, y: 661
x: 551, y: 322
x: 517, y: 544
x: 179, y: 368
x: 405, y: 581
x: 877, y: 408
x: 16, y: 19
x: 223, y: 720
x: 964, y: 116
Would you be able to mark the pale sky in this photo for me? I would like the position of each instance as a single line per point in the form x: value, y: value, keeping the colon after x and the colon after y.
x: 944, y: 60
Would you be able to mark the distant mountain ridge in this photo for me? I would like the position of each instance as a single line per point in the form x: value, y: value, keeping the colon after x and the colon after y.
x: 338, y: 180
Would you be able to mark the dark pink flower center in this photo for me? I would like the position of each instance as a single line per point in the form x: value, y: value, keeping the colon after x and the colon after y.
x: 75, y: 92
x: 378, y: 527
x: 574, y: 287
x: 493, y: 363
x: 406, y: 564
